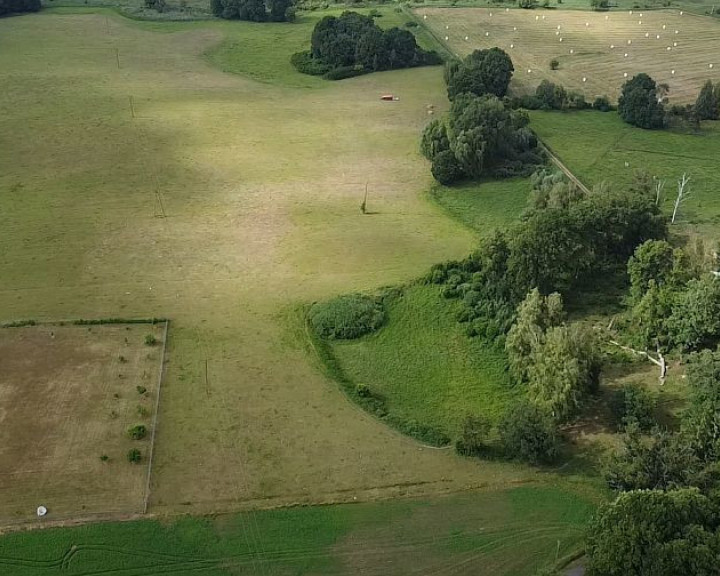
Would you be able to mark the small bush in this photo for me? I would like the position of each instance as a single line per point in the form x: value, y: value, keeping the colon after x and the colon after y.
x: 602, y: 104
x: 363, y: 390
x: 150, y: 340
x: 122, y: 359
x: 473, y: 436
x: 554, y: 64
x: 411, y: 24
x: 633, y: 405
x: 137, y: 432
x: 347, y: 317
x: 141, y: 389
x: 104, y: 458
x: 134, y: 456
x: 142, y: 411
x: 375, y: 13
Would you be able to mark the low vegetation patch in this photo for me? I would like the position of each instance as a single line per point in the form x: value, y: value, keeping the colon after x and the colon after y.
x: 347, y: 317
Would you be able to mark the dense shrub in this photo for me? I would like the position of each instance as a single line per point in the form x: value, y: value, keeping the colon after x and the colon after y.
x: 602, y: 104
x: 445, y: 168
x: 347, y: 317
x: 473, y: 438
x: 305, y: 63
x: 345, y: 72
x: 633, y: 405
x: 528, y: 433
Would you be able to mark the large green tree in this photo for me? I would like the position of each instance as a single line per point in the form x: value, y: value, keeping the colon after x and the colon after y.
x: 639, y: 104
x: 652, y: 533
x: 481, y: 72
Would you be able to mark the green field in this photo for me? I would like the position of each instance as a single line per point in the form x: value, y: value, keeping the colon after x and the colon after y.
x: 486, y: 206
x: 596, y: 146
x: 511, y: 532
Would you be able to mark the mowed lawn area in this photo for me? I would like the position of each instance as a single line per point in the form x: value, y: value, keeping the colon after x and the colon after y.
x: 596, y: 147
x: 503, y: 533
x: 594, y: 50
x: 138, y: 179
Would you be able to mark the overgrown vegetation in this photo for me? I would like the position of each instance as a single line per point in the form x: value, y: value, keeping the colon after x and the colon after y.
x: 347, y: 317
x: 352, y: 44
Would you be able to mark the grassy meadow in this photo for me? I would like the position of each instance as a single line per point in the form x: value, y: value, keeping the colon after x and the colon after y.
x: 504, y: 533
x: 425, y: 367
x: 593, y: 46
x: 111, y: 123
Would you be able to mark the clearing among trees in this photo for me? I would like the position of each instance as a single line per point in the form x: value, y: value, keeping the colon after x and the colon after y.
x: 590, y: 47
x: 68, y: 397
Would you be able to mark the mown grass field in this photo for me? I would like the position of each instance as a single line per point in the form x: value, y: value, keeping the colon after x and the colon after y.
x: 532, y: 39
x: 260, y: 175
x: 596, y: 147
x: 504, y: 533
x: 68, y: 395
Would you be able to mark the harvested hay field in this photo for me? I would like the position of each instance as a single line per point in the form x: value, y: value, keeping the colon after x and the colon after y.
x: 590, y: 46
x: 68, y: 395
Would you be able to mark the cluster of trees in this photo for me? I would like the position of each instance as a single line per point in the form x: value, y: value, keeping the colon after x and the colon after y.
x: 666, y: 519
x: 565, y: 238
x: 482, y: 72
x: 18, y: 6
x: 353, y: 44
x: 254, y: 10
x: 642, y: 104
x: 479, y: 137
x: 675, y: 300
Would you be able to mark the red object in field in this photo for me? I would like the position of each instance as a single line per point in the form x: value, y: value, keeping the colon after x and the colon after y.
x: 389, y: 97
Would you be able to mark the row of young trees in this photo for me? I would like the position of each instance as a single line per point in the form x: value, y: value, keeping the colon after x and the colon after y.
x: 254, y: 10
x: 18, y: 6
x: 642, y: 104
x: 353, y: 44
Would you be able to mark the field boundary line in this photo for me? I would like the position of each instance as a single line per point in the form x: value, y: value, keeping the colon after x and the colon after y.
x: 161, y: 373
x: 553, y: 157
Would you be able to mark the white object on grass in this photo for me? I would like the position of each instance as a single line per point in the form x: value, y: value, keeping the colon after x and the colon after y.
x: 41, y: 511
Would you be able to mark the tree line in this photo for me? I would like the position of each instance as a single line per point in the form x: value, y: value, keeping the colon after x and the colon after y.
x: 642, y: 104
x: 18, y: 6
x: 353, y: 44
x: 254, y: 10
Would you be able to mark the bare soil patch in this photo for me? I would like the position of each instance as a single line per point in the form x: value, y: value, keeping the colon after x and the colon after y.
x: 68, y: 395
